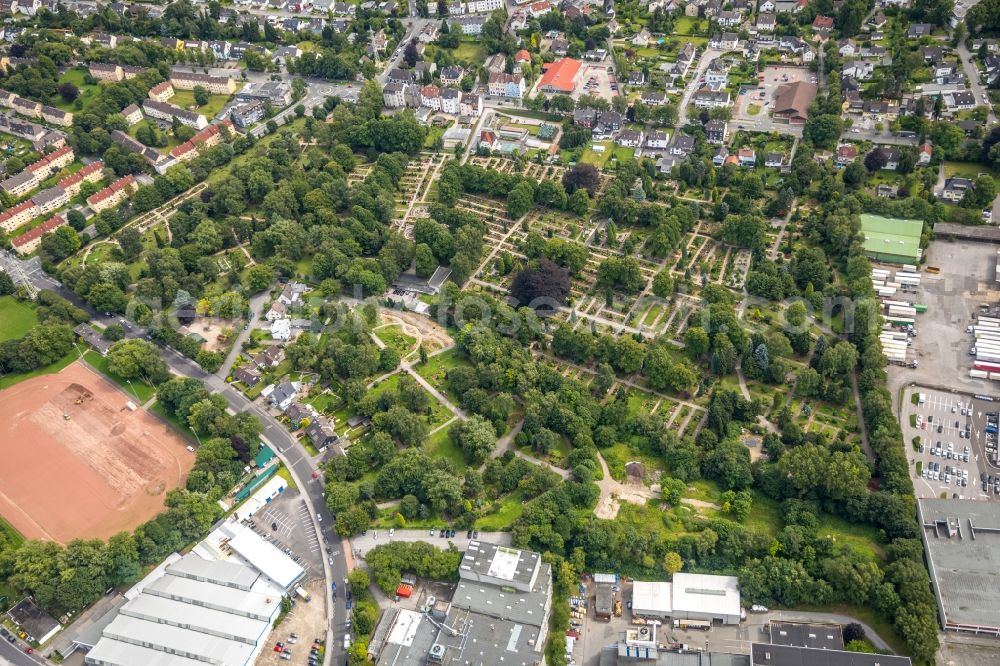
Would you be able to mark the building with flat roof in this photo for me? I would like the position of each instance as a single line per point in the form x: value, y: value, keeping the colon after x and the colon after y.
x: 500, y: 565
x: 215, y: 605
x: 891, y: 240
x: 962, y: 540
x: 652, y: 599
x: 807, y: 634
x: 764, y: 654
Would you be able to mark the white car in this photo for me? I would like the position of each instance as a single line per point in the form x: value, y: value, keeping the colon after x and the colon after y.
x: 347, y: 641
x: 392, y: 532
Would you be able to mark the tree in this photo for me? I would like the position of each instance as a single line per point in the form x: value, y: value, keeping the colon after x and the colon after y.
x: 672, y: 490
x: 201, y: 95
x: 663, y: 284
x: 672, y: 562
x: 876, y: 159
x: 695, y: 341
x: 340, y: 496
x: 259, y: 278
x: 542, y: 286
x: 476, y: 437
x: 59, y: 244
x: 68, y: 91
x: 582, y: 176
x: 135, y: 359
x: 425, y: 260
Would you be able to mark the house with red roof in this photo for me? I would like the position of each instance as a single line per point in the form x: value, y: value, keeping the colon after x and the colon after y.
x: 113, y: 194
x: 28, y: 242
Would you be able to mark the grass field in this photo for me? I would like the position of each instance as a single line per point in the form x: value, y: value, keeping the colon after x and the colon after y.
x: 140, y: 389
x: 172, y: 141
x: 968, y: 170
x: 16, y: 318
x: 440, y: 444
x: 173, y: 420
x: 394, y: 338
x: 470, y: 52
x: 88, y: 93
x: 511, y: 508
x: 185, y: 100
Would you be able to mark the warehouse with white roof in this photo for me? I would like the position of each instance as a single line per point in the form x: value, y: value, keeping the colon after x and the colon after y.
x: 703, y: 597
x: 215, y: 605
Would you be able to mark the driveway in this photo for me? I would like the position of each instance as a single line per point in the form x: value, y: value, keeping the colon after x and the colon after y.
x: 361, y: 544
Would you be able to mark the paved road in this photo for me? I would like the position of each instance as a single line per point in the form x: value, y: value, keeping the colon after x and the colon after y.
x: 365, y: 542
x: 972, y: 74
x: 706, y: 58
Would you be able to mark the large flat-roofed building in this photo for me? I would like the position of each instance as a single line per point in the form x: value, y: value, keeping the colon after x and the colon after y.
x: 500, y: 565
x: 891, y: 240
x: 807, y: 634
x: 498, y: 614
x: 962, y: 541
x: 764, y: 654
x: 703, y: 597
x: 209, y: 606
x: 233, y: 540
x: 560, y: 76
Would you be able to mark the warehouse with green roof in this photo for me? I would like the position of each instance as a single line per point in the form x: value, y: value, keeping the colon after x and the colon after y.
x: 891, y: 240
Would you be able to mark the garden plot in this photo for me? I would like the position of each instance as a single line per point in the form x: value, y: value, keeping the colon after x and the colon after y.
x: 412, y: 199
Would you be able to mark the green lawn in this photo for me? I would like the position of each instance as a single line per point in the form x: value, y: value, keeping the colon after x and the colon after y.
x: 394, y: 338
x: 185, y: 100
x: 88, y: 93
x: 684, y: 25
x: 287, y: 476
x: 470, y: 51
x: 511, y: 508
x: 9, y: 534
x: 140, y: 389
x: 16, y: 318
x: 440, y: 444
x: 968, y: 170
x: 172, y: 141
x: 437, y: 367
x: 9, y: 380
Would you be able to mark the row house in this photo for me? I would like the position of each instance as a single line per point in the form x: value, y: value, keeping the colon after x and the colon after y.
x: 218, y: 85
x: 19, y: 184
x: 51, y: 114
x: 28, y: 242
x: 208, y: 137
x: 430, y: 97
x: 471, y: 104
x: 710, y: 99
x: 506, y: 85
x: 392, y: 95
x: 452, y: 76
x: 51, y: 163
x: 17, y: 215
x: 113, y: 194
x: 167, y: 112
x: 450, y: 101
x: 27, y: 107
x: 151, y: 155
x: 727, y: 41
x: 653, y: 98
x: 91, y: 173
x: 50, y: 199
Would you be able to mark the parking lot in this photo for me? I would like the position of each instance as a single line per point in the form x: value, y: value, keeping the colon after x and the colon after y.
x: 362, y: 543
x: 285, y: 523
x: 596, y: 80
x: 949, y: 460
x: 966, y: 281
x: 298, y: 631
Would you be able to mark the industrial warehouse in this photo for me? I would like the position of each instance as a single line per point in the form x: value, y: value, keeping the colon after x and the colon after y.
x: 697, y: 597
x: 892, y: 240
x: 216, y: 604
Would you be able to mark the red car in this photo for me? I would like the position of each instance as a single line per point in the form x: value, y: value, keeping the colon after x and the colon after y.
x: 278, y: 648
x: 28, y: 650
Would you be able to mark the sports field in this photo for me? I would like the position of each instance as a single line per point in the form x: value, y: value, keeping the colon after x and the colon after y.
x: 77, y: 462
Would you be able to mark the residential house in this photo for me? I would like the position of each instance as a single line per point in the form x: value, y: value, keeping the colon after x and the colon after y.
x: 91, y: 173
x: 766, y: 22
x: 706, y: 98
x: 717, y: 74
x: 891, y: 156
x: 470, y: 25
x: 450, y: 101
x: 961, y: 100
x: 471, y: 104
x: 847, y: 48
x: 657, y: 140
x: 278, y: 310
x: 846, y: 154
x: 861, y: 70
x: 29, y: 241
x: 629, y: 139
x: 773, y: 160
x: 402, y: 76
x: 217, y: 85
x: 50, y: 114
x: 167, y: 112
x: 298, y: 412
x: 15, y: 216
x: 955, y: 188
x: 452, y: 76
x: 685, y: 58
x: 321, y: 433
x: 291, y: 294
x: 161, y: 92
x: 507, y: 85
x: 729, y: 19
x: 245, y: 115
x: 132, y: 114
x: 281, y: 329
x: 50, y: 199
x: 246, y: 375
x: 637, y: 78
x: 822, y: 25
x: 430, y: 96
x: 488, y: 140
x: 925, y: 152
x: 747, y: 157
x: 682, y: 145
x: 283, y: 395
x: 717, y: 131
x: 726, y: 41
x: 720, y: 157
x: 642, y: 38
x: 918, y: 30
x: 113, y: 194
x: 885, y: 191
x: 653, y: 98
x: 269, y: 358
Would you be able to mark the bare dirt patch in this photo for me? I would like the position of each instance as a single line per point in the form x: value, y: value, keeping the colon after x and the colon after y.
x: 78, y: 463
x: 429, y: 333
